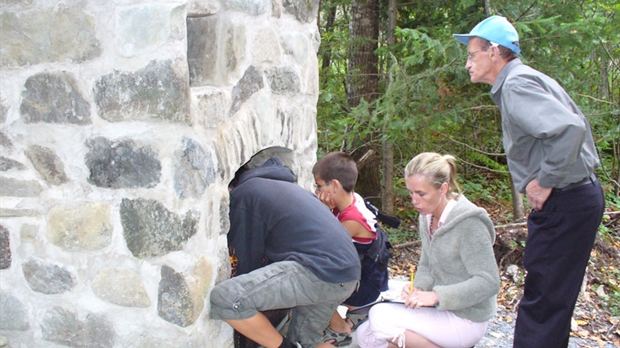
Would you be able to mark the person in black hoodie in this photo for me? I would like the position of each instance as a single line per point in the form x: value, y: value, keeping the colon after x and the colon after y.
x: 289, y: 251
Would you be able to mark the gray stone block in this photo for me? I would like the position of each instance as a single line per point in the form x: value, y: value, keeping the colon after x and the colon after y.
x: 48, y: 164
x: 210, y: 106
x: 13, y: 313
x: 81, y: 226
x: 151, y: 230
x: 19, y: 188
x: 64, y: 327
x: 283, y: 80
x: 174, y: 303
x: 4, y: 212
x: 5, y: 141
x: 5, y: 248
x: 202, y: 49
x: 120, y: 286
x: 159, y: 92
x: 4, y: 110
x: 304, y: 11
x: 122, y: 164
x: 194, y: 170
x: 41, y: 35
x: 250, y: 83
x: 54, y: 98
x: 47, y: 278
x: 8, y: 164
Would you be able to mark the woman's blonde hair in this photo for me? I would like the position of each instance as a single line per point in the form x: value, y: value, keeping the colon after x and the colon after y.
x: 437, y: 169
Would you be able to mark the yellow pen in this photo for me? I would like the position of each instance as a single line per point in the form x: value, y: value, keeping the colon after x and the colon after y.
x: 411, y: 285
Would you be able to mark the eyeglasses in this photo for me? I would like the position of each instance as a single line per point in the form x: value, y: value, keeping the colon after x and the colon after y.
x: 319, y: 187
x: 470, y: 55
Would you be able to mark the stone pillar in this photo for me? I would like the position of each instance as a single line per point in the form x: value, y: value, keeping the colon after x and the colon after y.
x: 121, y: 124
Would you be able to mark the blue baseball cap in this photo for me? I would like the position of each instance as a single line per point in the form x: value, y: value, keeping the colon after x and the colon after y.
x: 496, y: 29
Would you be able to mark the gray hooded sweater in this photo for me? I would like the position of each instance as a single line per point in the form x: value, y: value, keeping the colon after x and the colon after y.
x: 458, y: 263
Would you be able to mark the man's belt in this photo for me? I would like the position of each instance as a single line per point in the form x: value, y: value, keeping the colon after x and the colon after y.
x: 589, y: 180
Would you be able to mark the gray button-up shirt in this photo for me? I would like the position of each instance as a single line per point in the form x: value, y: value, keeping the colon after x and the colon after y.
x: 546, y: 136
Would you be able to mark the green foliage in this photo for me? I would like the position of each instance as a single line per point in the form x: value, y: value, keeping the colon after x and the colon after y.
x: 614, y: 303
x: 401, y: 235
x: 612, y: 200
x: 611, y: 299
x: 428, y: 103
x: 486, y: 189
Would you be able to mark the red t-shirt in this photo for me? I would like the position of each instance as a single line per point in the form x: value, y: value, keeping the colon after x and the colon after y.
x: 357, y: 211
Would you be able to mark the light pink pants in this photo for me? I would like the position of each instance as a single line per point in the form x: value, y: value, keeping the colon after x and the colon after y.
x: 389, y: 321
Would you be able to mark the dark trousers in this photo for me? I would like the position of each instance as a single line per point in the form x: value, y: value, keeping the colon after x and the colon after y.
x: 560, y: 238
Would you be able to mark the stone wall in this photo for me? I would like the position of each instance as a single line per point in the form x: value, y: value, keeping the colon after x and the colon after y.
x: 121, y: 124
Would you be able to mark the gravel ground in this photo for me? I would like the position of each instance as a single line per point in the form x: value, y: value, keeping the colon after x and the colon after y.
x: 500, y: 335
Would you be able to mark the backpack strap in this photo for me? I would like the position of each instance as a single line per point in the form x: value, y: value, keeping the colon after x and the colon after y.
x: 380, y: 251
x: 389, y: 220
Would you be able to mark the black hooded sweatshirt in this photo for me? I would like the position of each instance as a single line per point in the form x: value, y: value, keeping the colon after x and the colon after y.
x: 273, y: 219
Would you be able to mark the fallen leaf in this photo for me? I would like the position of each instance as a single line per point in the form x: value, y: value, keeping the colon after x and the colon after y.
x: 496, y: 334
x: 583, y: 333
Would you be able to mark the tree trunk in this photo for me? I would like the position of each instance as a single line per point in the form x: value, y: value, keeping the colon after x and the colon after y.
x: 603, y: 90
x: 603, y: 94
x: 517, y: 203
x: 363, y: 83
x: 487, y: 7
x: 387, y: 184
x: 329, y: 23
x: 363, y: 63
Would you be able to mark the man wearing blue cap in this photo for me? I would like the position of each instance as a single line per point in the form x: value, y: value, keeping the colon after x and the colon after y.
x: 551, y: 158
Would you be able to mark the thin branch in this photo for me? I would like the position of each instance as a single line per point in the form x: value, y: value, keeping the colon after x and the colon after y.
x: 408, y: 244
x: 361, y: 163
x: 611, y: 58
x: 514, y: 224
x: 595, y: 99
x: 526, y: 11
x: 485, y: 168
x: 473, y: 148
x: 482, y: 107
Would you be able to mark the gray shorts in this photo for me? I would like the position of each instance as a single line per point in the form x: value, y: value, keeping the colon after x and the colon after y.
x: 285, y: 284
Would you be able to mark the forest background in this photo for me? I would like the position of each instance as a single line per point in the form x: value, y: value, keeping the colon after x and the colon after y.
x: 393, y: 84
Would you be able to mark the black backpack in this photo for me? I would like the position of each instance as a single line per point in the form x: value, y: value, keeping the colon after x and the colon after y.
x: 380, y: 250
